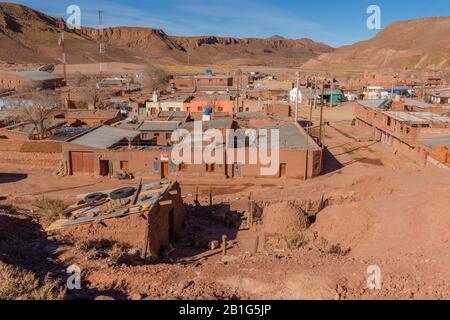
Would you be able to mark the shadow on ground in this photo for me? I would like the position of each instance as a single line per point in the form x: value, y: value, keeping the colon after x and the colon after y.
x: 12, y: 177
x: 24, y: 244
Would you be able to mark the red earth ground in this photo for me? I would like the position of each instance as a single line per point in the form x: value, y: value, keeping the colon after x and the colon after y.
x: 381, y: 210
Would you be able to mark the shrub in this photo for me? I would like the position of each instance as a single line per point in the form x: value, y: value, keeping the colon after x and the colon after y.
x: 50, y: 209
x: 18, y: 284
x: 296, y: 241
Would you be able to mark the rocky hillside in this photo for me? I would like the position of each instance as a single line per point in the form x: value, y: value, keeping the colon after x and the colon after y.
x: 30, y: 36
x: 415, y: 44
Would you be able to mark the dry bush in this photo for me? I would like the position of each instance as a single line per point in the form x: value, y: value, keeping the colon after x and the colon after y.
x: 50, y: 209
x: 18, y: 284
x: 297, y: 241
x: 116, y: 252
x: 100, y: 249
x: 337, y: 250
x: 321, y: 244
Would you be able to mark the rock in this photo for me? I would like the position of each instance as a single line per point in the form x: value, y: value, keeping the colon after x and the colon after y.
x: 134, y: 252
x: 214, y: 245
x: 229, y: 259
x: 104, y: 298
x: 183, y: 285
x: 136, y: 297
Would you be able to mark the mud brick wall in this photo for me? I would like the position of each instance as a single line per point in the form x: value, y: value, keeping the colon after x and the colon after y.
x: 128, y: 230
x: 44, y: 160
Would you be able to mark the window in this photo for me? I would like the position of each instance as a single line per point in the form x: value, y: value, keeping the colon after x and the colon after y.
x: 210, y: 167
x: 389, y: 122
x: 124, y: 165
x: 199, y: 109
x: 146, y: 136
x: 220, y: 109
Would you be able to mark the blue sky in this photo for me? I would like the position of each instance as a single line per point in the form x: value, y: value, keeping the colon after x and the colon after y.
x: 330, y: 21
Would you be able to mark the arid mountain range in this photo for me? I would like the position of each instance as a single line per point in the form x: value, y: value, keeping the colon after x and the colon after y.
x: 415, y: 44
x: 29, y: 36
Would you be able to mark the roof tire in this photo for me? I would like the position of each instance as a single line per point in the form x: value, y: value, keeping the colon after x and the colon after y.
x: 122, y: 193
x: 94, y: 197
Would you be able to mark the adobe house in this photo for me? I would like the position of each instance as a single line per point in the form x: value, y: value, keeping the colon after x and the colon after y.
x: 168, y: 104
x: 435, y: 147
x: 157, y: 133
x: 90, y: 118
x: 217, y: 103
x: 439, y: 96
x: 401, y: 130
x: 299, y: 156
x: 107, y: 151
x: 201, y: 82
x: 30, y: 79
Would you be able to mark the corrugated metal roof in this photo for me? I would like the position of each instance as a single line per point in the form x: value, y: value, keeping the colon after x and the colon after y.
x: 433, y: 117
x: 159, y: 126
x: 38, y: 75
x: 248, y: 115
x: 375, y: 103
x: 104, y: 137
x: 417, y: 103
x: 418, y: 117
x: 209, y: 124
x: 406, y: 117
x: 436, y: 141
x: 173, y: 114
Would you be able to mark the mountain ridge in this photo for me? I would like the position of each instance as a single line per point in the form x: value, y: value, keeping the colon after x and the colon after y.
x: 35, y: 34
x: 422, y: 43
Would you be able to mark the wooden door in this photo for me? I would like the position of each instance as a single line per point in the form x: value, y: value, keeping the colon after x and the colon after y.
x: 104, y: 168
x: 82, y: 162
x: 164, y: 170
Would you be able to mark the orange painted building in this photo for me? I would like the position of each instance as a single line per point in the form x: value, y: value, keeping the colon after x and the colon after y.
x: 217, y: 104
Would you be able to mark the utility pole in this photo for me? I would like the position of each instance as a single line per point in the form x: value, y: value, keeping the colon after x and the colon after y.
x: 321, y: 114
x: 61, y: 43
x: 315, y: 96
x: 331, y: 92
x: 102, y: 45
x: 297, y: 94
x: 311, y: 94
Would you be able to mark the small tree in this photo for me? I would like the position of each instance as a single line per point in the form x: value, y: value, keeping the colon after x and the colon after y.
x: 80, y: 79
x: 156, y: 77
x: 43, y: 106
x: 95, y: 92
